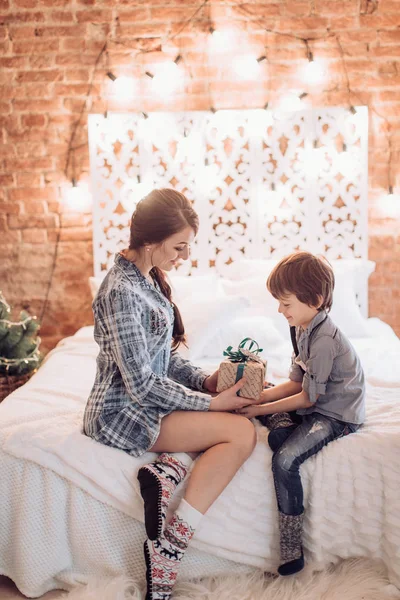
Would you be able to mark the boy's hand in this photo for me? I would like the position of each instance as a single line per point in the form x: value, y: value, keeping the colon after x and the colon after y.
x: 249, y: 411
x: 265, y: 396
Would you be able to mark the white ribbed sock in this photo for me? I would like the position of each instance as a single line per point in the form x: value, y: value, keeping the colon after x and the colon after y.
x: 189, y: 514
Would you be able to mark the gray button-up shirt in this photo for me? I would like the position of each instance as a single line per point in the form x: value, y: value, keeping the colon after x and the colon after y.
x: 333, y: 371
x: 138, y: 379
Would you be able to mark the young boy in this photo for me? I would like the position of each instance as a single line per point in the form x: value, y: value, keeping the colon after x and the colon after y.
x: 324, y: 398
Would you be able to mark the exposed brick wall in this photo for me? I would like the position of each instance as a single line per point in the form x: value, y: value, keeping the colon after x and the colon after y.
x: 48, y: 50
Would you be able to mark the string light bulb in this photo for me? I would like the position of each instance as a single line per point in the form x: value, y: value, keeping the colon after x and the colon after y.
x: 352, y: 123
x: 390, y: 204
x: 248, y: 66
x: 167, y: 78
x: 292, y: 102
x: 123, y: 88
x: 220, y: 41
x: 77, y: 196
x: 313, y: 71
x: 355, y: 117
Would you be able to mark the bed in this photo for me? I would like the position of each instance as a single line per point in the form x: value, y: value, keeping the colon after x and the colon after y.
x: 71, y: 508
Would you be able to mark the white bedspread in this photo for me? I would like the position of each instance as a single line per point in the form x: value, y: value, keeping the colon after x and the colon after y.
x: 351, y: 487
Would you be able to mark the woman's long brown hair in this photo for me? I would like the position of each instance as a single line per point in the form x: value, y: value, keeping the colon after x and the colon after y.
x: 159, y: 215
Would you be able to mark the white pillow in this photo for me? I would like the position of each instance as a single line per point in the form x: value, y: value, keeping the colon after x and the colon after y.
x: 204, y: 318
x: 360, y: 268
x: 262, y: 303
x: 351, y: 276
x: 198, y: 287
x: 345, y: 312
x: 255, y: 290
x: 248, y: 268
x: 260, y: 329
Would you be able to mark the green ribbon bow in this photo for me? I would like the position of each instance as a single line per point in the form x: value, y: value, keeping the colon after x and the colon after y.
x: 242, y: 355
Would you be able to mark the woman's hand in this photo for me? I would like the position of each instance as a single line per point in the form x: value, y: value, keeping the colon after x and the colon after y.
x: 228, y: 400
x: 210, y: 383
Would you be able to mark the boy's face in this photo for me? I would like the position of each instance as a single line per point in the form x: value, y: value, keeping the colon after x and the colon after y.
x: 297, y: 313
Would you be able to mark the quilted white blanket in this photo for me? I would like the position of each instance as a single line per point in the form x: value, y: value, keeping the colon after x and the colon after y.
x: 351, y: 487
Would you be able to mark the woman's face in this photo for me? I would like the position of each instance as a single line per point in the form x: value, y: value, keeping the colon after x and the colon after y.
x: 175, y: 248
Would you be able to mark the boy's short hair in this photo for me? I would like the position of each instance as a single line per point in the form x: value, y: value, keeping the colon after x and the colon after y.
x: 305, y: 275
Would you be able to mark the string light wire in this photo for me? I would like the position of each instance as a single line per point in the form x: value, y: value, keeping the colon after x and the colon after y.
x: 155, y: 45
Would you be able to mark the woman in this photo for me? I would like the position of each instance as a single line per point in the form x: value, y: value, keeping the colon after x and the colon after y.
x: 146, y: 397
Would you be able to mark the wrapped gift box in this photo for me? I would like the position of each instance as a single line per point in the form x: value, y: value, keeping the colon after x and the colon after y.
x: 243, y: 363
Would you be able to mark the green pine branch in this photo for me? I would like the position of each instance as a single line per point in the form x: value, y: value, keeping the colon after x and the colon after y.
x: 19, y: 342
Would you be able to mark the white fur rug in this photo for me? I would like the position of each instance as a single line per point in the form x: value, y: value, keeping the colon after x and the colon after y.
x: 356, y: 579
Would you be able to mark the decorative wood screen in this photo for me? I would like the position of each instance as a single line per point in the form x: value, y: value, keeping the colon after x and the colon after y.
x: 263, y: 183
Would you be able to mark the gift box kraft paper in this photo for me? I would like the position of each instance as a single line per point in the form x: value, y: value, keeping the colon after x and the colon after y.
x: 254, y: 372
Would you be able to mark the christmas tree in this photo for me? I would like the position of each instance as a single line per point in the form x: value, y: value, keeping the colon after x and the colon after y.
x: 19, y: 343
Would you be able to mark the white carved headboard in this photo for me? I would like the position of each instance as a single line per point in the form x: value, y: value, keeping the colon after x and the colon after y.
x: 263, y: 183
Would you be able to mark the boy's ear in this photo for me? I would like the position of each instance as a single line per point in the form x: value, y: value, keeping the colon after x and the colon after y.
x: 320, y: 302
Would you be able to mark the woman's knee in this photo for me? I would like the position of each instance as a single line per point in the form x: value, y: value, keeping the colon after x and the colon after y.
x: 245, y: 437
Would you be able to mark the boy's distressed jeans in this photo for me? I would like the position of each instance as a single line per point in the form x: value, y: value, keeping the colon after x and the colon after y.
x: 292, y: 446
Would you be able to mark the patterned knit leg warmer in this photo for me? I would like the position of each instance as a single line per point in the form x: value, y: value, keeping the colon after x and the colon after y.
x: 158, y: 481
x: 291, y: 532
x: 163, y: 555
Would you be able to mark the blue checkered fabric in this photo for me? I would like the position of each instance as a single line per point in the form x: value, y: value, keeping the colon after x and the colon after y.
x: 138, y: 379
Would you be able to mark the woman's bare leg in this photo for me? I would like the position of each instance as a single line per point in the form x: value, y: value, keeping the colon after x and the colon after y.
x: 226, y: 441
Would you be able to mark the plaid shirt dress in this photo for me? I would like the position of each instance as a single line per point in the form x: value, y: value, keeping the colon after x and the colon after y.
x: 138, y: 379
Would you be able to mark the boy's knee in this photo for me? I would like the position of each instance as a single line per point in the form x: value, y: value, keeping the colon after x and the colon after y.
x: 283, y: 460
x: 274, y: 440
x: 278, y: 436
